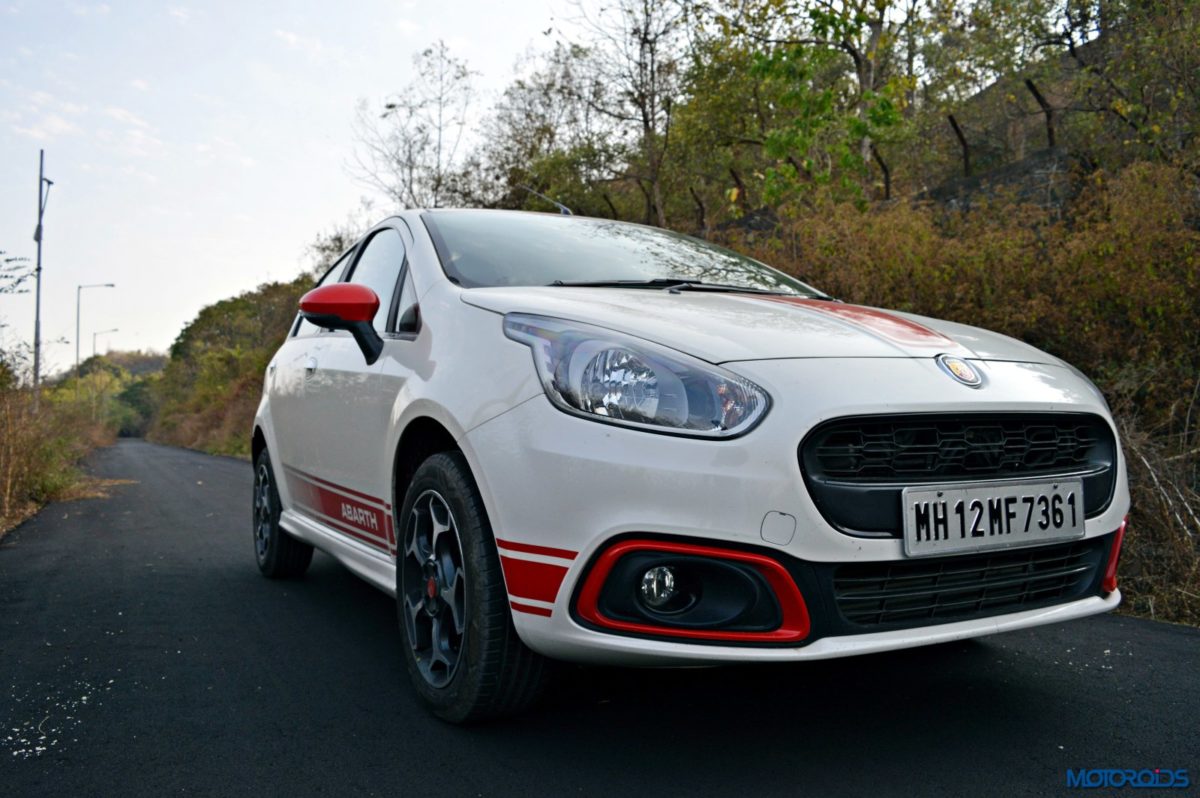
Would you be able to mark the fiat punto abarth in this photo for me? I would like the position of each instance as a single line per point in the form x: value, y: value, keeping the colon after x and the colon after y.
x: 559, y: 438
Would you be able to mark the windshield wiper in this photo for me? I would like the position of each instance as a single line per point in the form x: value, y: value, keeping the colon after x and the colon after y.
x: 664, y: 284
x: 657, y: 282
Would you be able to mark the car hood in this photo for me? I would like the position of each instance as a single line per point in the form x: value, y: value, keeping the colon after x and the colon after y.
x: 720, y: 327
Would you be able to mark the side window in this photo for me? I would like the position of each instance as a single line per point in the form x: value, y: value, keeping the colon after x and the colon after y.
x: 378, y: 268
x: 332, y: 276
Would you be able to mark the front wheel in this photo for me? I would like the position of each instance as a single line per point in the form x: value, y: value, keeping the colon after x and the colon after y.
x: 279, y: 555
x: 463, y: 654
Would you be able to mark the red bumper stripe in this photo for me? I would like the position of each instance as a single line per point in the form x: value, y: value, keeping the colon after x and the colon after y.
x: 529, y: 548
x: 532, y: 580
x: 529, y: 608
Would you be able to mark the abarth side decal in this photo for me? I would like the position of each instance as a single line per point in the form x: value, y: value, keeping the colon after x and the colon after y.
x: 350, y: 512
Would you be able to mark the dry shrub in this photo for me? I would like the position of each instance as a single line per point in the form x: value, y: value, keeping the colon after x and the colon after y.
x: 1160, y: 566
x: 1113, y: 287
x: 39, y: 451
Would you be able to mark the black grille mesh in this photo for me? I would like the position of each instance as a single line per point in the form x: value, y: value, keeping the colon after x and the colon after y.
x: 856, y: 467
x: 947, y: 447
x: 914, y: 592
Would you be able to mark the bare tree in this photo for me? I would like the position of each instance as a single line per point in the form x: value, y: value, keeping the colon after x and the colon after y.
x: 544, y: 134
x: 410, y: 151
x: 635, y: 69
x: 14, y: 271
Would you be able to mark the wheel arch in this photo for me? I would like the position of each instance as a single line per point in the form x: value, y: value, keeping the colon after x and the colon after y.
x: 423, y: 436
x: 258, y: 442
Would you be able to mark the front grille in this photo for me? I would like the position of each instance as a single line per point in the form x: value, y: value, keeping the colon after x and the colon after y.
x: 855, y: 468
x: 943, y: 589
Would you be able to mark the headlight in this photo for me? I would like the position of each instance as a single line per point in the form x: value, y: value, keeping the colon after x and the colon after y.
x: 607, y: 376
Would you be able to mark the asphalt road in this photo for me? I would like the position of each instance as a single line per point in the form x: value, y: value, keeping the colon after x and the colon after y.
x: 142, y: 654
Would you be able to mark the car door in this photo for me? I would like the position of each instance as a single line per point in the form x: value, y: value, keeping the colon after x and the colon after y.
x: 286, y: 384
x: 348, y: 408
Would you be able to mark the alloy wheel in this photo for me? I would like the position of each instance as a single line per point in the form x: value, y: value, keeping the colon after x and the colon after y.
x: 263, y: 520
x: 433, y: 582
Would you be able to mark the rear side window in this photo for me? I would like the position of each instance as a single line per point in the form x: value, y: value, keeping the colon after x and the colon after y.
x: 378, y: 268
x: 332, y: 276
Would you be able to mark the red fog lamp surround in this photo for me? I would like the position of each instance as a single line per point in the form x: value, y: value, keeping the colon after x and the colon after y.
x: 702, y: 593
x: 1109, y: 584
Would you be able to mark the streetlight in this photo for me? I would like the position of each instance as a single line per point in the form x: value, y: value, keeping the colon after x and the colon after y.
x: 101, y: 332
x: 43, y: 198
x: 78, y: 291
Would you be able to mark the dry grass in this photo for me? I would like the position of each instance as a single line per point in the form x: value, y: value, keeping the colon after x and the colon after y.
x: 40, y: 452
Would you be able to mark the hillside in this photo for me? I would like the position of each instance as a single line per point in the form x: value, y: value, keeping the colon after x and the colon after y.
x: 212, y: 382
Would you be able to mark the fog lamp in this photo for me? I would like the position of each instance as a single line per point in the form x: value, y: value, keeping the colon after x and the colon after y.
x: 659, y: 587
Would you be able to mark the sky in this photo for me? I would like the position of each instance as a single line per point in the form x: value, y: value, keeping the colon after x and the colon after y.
x: 196, y: 149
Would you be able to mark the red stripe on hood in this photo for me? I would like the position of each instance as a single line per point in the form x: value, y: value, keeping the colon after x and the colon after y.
x: 880, y: 322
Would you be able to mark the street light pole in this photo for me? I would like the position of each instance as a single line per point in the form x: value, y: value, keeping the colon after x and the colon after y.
x: 78, y: 292
x: 43, y: 198
x: 101, y: 332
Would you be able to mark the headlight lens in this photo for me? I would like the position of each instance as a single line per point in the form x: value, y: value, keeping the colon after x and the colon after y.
x: 620, y: 379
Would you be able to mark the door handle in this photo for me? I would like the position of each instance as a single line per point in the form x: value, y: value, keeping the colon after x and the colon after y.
x: 310, y: 366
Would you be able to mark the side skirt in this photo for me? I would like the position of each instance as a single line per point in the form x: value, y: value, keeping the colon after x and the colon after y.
x: 368, y: 563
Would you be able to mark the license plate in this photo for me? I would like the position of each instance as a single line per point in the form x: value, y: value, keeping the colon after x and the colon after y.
x: 990, y: 516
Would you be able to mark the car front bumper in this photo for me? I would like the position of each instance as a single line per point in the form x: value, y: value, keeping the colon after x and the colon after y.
x: 559, y: 489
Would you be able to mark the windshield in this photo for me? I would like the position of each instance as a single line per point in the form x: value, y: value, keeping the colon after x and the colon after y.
x: 503, y: 248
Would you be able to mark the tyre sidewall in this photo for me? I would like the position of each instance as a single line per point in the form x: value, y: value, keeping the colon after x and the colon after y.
x: 269, y: 562
x: 447, y: 473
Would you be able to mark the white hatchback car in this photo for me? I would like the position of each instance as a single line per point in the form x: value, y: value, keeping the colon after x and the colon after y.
x: 580, y: 439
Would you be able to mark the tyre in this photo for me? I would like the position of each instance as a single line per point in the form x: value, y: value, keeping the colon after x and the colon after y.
x: 463, y: 654
x: 279, y: 555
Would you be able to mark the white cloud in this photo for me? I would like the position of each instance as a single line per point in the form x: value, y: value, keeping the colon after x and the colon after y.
x: 140, y: 84
x: 407, y: 26
x: 47, y: 127
x: 126, y: 117
x: 83, y: 10
x: 141, y: 174
x: 181, y: 14
x: 310, y: 45
x: 141, y: 144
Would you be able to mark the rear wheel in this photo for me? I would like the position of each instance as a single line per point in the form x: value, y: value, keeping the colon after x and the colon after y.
x: 463, y: 654
x: 279, y: 555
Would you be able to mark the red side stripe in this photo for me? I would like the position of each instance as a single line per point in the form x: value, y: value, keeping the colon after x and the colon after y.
x: 888, y: 325
x: 326, y: 483
x: 327, y: 507
x: 373, y: 542
x: 347, y: 511
x: 532, y: 580
x: 529, y: 548
x: 529, y: 608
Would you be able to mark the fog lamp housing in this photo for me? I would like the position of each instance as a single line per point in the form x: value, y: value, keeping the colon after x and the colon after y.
x: 703, y: 593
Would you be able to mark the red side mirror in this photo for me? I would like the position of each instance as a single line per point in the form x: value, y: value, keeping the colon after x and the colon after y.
x: 346, y: 306
x: 348, y: 302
